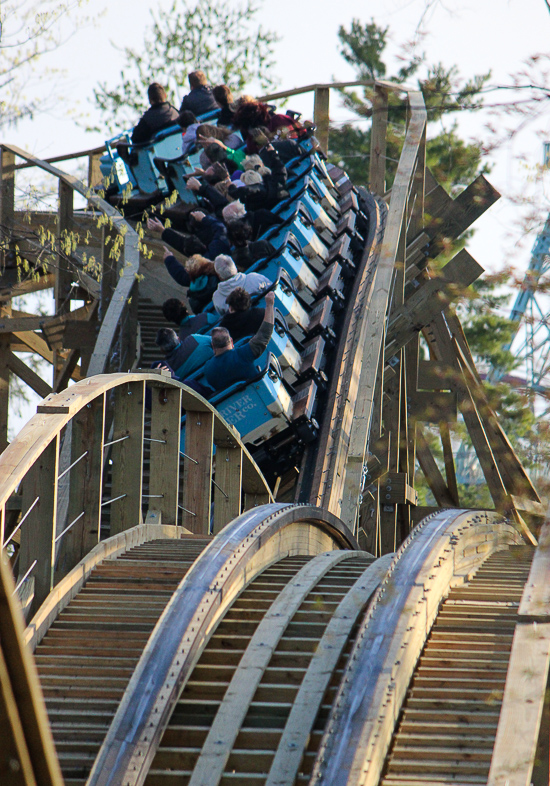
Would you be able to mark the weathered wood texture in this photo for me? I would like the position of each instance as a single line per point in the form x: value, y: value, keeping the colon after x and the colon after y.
x: 387, y: 647
x: 127, y: 456
x: 522, y: 705
x: 27, y: 753
x: 165, y: 453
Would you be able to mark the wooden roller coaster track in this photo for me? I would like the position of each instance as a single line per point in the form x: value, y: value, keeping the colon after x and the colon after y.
x: 184, y: 627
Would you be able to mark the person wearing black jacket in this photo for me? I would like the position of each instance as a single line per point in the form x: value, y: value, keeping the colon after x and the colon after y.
x: 244, y: 250
x: 258, y: 220
x: 224, y: 98
x: 200, y: 100
x: 241, y: 320
x: 161, y: 114
x: 209, y: 230
x: 270, y: 191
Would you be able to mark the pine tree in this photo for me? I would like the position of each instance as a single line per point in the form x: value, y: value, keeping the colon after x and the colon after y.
x: 453, y: 161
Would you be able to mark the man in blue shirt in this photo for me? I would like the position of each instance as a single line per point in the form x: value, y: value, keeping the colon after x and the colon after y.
x: 230, y: 365
x: 183, y: 357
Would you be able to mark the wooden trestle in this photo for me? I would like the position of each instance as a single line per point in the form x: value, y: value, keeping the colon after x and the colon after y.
x: 186, y: 627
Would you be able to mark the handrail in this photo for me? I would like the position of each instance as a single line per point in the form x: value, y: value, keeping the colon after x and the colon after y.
x: 131, y: 256
x: 94, y: 151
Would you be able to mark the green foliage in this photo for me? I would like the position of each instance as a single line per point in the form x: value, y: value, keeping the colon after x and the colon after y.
x: 488, y: 332
x: 31, y: 29
x: 217, y: 36
x: 453, y: 161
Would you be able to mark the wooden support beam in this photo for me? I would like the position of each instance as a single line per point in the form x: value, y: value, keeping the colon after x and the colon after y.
x: 94, y: 172
x: 86, y: 485
x: 449, y: 218
x: 7, y: 199
x: 535, y: 601
x: 29, y: 377
x: 63, y: 274
x: 433, y: 406
x: 66, y: 370
x: 434, y: 478
x: 39, y: 528
x: 4, y: 390
x: 395, y: 489
x: 321, y: 116
x: 197, y: 486
x: 165, y: 453
x: 520, y: 716
x: 448, y: 459
x: 377, y: 163
x: 431, y: 298
x: 228, y: 486
x: 27, y: 752
x: 127, y: 457
x: 30, y: 285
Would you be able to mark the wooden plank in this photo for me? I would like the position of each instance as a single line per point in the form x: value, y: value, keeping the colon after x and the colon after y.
x: 377, y: 163
x: 4, y: 390
x: 39, y: 528
x: 27, y: 340
x: 448, y: 460
x: 66, y: 370
x: 343, y: 494
x: 428, y: 465
x: 16, y: 768
x: 236, y: 556
x: 95, y: 176
x: 522, y: 704
x: 433, y: 406
x: 246, y: 678
x: 433, y: 375
x: 86, y: 484
x: 197, y: 478
x: 430, y: 299
x: 127, y: 456
x: 165, y: 453
x: 7, y: 195
x: 63, y: 272
x: 228, y: 488
x: 535, y: 601
x: 255, y: 499
x: 28, y: 376
x: 305, y: 707
x: 321, y: 116
x: 72, y: 583
x: 26, y: 737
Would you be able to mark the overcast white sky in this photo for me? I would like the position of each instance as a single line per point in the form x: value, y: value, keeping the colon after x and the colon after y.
x: 478, y: 36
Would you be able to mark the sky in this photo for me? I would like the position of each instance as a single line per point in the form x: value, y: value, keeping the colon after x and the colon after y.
x: 494, y: 35
x: 479, y: 36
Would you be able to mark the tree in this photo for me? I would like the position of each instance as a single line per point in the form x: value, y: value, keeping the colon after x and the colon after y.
x: 452, y: 160
x: 216, y: 36
x: 29, y: 31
